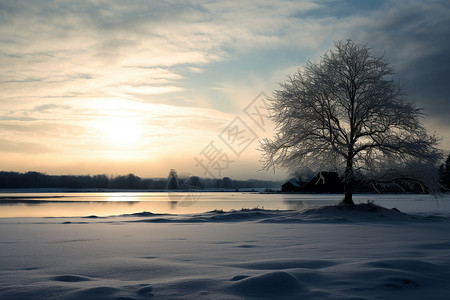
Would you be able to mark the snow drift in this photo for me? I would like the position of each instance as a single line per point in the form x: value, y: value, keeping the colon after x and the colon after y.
x: 368, y: 252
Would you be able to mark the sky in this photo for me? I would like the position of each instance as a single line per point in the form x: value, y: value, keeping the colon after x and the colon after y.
x: 118, y: 87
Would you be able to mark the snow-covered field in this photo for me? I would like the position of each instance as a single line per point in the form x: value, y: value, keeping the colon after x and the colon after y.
x: 317, y: 253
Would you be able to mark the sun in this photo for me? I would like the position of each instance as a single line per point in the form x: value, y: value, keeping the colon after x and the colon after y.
x: 121, y: 132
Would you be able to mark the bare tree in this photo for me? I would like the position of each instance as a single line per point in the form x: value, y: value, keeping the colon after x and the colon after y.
x: 347, y: 114
x: 172, y: 180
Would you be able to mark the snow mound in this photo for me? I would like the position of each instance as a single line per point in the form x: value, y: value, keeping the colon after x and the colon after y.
x: 97, y: 293
x: 215, y: 216
x: 269, y: 285
x: 364, y: 212
x: 142, y: 214
x: 70, y: 278
x: 285, y: 264
x: 358, y: 212
x: 146, y: 290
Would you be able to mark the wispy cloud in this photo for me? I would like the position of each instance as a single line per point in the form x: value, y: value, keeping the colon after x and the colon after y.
x: 183, y: 69
x: 415, y: 36
x: 88, y: 47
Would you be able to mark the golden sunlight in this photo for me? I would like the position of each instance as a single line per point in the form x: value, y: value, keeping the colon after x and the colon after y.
x: 119, y: 125
x: 121, y: 132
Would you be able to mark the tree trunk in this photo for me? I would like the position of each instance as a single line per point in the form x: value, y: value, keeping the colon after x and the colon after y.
x: 348, y: 198
x: 348, y: 184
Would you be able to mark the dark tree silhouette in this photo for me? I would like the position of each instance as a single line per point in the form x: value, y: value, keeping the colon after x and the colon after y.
x: 194, y: 181
x: 347, y: 114
x: 13, y: 180
x: 444, y: 174
x: 172, y: 180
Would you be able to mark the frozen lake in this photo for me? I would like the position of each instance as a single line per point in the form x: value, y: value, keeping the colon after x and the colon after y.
x: 19, y: 204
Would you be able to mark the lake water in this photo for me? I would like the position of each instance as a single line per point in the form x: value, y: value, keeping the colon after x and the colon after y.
x: 19, y: 204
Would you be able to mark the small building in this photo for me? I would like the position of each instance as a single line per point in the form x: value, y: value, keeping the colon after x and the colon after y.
x: 291, y: 186
x: 325, y: 182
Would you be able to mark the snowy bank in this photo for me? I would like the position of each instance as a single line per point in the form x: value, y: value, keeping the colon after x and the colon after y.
x: 324, y: 253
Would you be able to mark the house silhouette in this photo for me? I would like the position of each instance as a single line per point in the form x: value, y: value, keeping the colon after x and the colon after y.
x: 323, y: 182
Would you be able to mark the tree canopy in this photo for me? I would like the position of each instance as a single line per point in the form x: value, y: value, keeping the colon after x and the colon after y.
x: 346, y: 113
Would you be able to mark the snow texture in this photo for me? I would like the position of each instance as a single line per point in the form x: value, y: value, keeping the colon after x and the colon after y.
x: 368, y: 252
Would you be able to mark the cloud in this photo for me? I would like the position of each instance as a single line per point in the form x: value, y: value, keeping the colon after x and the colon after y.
x: 46, y: 107
x: 414, y: 35
x: 183, y: 69
x: 55, y: 49
x: 22, y: 147
x: 83, y: 47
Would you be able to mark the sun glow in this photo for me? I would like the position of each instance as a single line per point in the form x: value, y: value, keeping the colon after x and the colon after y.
x: 119, y: 125
x: 122, y: 132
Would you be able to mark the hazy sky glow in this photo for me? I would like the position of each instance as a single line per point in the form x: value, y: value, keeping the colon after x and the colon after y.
x: 114, y: 87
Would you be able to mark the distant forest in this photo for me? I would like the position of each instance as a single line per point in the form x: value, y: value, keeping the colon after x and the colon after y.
x: 15, y: 180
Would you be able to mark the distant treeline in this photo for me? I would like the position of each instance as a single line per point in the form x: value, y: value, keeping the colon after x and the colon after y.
x: 444, y: 174
x: 15, y: 180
